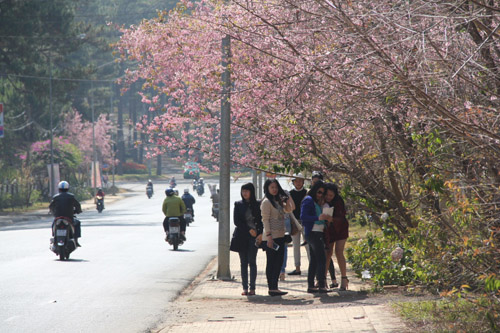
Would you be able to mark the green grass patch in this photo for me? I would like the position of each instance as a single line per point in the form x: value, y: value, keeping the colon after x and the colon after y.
x: 450, y: 315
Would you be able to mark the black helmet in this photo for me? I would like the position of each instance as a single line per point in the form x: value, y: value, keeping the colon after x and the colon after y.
x: 169, y: 192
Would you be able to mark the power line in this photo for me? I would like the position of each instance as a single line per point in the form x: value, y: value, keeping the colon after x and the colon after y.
x: 59, y: 78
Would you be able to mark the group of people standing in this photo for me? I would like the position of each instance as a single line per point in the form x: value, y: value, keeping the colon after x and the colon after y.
x: 262, y: 224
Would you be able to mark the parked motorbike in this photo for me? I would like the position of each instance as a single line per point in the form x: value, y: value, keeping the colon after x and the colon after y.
x: 149, y: 192
x: 99, y: 203
x: 215, y: 210
x: 174, y: 232
x: 62, y: 244
x: 188, y: 216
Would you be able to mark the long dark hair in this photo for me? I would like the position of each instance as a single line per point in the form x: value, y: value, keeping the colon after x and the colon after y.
x: 251, y: 188
x: 335, y: 189
x: 314, y: 189
x: 275, y: 199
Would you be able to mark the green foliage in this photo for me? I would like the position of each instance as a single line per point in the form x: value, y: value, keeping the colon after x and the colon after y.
x: 81, y: 193
x: 373, y: 254
x: 472, y: 314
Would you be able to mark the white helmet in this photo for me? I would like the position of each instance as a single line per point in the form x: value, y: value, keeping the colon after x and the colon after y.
x: 64, y: 185
x: 186, y: 190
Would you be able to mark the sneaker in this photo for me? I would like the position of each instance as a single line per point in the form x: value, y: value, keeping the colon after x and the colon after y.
x: 295, y: 272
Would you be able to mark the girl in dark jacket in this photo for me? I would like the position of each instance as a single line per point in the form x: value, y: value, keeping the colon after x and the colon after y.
x: 248, y: 234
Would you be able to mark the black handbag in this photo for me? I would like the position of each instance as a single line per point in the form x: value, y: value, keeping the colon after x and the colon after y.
x: 237, y: 243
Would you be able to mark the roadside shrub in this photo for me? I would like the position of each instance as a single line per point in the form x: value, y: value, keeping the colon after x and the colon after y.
x: 134, y: 168
x: 373, y: 254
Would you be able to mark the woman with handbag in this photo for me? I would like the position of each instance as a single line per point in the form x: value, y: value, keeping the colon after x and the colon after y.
x: 273, y: 208
x: 247, y: 235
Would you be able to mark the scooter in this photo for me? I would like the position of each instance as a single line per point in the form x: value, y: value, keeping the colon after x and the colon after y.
x: 62, y: 244
x: 174, y: 232
x: 149, y: 192
x: 99, y: 203
x: 188, y: 216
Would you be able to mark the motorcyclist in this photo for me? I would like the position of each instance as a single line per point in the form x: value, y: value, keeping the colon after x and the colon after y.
x: 173, y: 206
x: 65, y: 205
x: 172, y: 182
x: 189, y: 201
x: 100, y: 193
x: 215, y: 203
x: 150, y: 185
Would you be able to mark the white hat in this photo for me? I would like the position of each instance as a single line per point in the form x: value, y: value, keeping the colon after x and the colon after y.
x: 298, y: 175
x: 186, y: 190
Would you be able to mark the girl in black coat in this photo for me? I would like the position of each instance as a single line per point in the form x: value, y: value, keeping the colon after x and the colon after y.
x: 247, y: 235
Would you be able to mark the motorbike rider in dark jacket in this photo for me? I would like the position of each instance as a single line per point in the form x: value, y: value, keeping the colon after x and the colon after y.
x: 64, y: 204
x: 189, y: 200
x: 150, y: 184
x: 100, y: 193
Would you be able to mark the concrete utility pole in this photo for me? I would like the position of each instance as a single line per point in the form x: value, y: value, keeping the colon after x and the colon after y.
x: 93, y: 138
x: 223, y: 271
x: 52, y: 185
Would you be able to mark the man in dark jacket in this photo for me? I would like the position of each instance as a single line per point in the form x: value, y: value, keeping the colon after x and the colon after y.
x: 297, y: 193
x: 189, y: 201
x: 64, y: 204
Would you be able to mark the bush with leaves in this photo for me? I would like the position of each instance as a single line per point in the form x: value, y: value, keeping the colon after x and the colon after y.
x: 373, y: 254
x: 134, y: 168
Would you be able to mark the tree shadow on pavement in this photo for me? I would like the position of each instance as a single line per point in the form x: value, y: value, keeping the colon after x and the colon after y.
x: 305, y: 299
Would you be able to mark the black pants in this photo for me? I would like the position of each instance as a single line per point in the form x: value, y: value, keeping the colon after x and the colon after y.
x: 317, y: 263
x: 183, y: 223
x: 274, y: 262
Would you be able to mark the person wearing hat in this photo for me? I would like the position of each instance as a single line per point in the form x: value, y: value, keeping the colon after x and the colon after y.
x: 297, y: 193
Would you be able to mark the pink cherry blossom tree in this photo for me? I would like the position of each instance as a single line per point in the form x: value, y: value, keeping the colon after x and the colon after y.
x: 373, y: 94
x: 395, y: 100
x: 79, y: 132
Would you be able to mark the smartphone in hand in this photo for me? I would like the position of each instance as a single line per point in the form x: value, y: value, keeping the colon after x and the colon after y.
x: 275, y: 246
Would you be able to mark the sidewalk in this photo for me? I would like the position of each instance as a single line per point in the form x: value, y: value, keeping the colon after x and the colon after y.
x: 211, y: 305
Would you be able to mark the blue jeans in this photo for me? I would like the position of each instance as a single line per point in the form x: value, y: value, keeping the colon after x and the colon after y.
x: 285, y: 257
x: 316, y: 242
x: 248, y: 257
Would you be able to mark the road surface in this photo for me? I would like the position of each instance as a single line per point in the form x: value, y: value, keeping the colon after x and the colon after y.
x: 121, y: 279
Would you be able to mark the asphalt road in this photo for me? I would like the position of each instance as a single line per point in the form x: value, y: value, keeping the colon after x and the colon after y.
x: 121, y: 280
